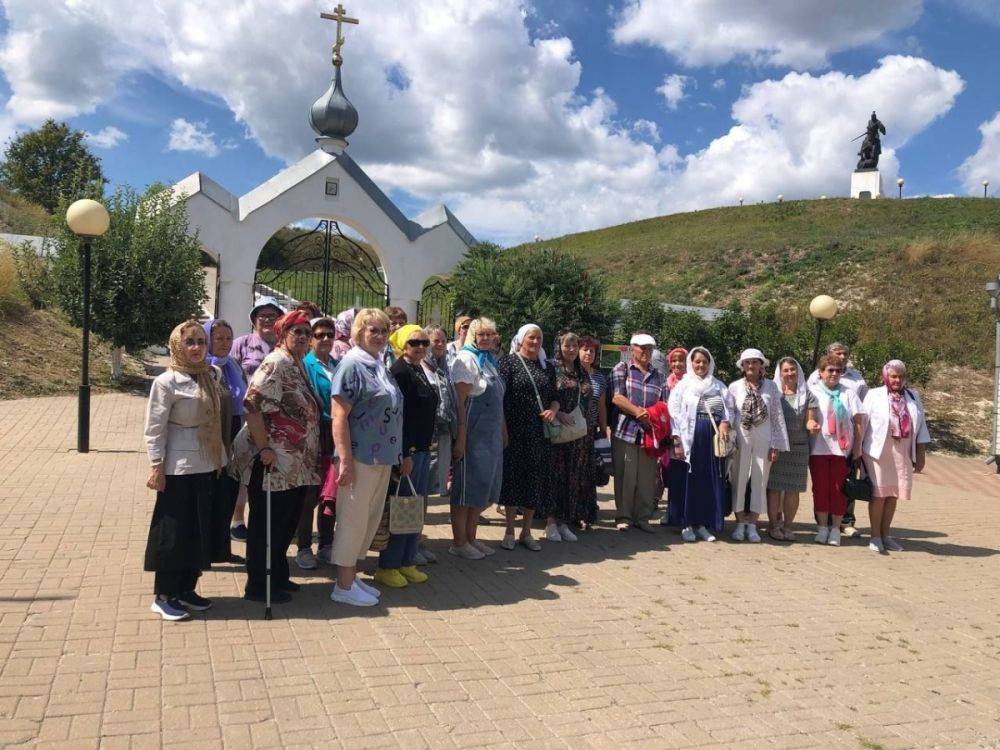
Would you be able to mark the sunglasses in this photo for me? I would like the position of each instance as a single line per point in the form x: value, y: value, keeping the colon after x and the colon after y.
x: 195, y: 342
x: 324, y: 336
x: 301, y: 331
x: 418, y: 342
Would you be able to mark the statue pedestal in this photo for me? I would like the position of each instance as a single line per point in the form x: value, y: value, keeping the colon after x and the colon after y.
x: 866, y: 184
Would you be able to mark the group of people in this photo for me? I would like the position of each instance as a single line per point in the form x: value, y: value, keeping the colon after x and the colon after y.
x: 347, y: 424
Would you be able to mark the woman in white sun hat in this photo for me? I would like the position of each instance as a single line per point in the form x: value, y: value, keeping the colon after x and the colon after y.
x: 760, y: 436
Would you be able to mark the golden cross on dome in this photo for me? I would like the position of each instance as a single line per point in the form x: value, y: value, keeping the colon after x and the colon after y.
x: 340, y: 16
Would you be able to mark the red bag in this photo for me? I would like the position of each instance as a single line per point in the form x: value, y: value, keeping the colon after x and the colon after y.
x: 657, y: 441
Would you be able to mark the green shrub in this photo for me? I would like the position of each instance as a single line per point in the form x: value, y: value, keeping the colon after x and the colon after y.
x: 869, y: 356
x: 34, y: 272
x: 12, y: 297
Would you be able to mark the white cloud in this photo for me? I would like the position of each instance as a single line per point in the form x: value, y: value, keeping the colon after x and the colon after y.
x: 800, y: 34
x: 107, y: 137
x: 515, y: 150
x: 192, y: 136
x: 672, y: 89
x: 719, y: 83
x: 985, y: 163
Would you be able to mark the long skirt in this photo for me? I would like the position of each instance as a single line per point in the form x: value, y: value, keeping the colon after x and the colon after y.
x: 180, y: 536
x: 573, y: 485
x: 698, y: 496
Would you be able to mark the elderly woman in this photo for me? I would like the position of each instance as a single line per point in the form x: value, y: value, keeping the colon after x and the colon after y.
x: 234, y: 386
x: 342, y: 326
x: 482, y: 435
x: 597, y: 414
x: 446, y: 422
x: 760, y: 436
x: 700, y: 407
x: 249, y: 351
x: 184, y: 438
x: 529, y: 403
x: 397, y: 562
x: 894, y: 447
x: 462, y: 323
x: 367, y: 413
x: 843, y: 423
x: 636, y: 387
x: 280, y: 438
x: 788, y: 474
x: 572, y: 462
x: 319, y: 367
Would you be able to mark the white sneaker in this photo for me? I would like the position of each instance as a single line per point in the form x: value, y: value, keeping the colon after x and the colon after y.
x: 370, y: 590
x: 687, y: 534
x: 552, y: 533
x: 325, y: 555
x: 834, y: 538
x: 509, y: 542
x: 705, y: 534
x: 739, y: 533
x: 305, y: 558
x: 822, y: 534
x: 665, y: 521
x: 876, y: 545
x: 850, y: 532
x: 482, y: 547
x: 892, y: 545
x: 466, y: 551
x: 355, y: 596
x: 752, y: 534
x: 565, y: 533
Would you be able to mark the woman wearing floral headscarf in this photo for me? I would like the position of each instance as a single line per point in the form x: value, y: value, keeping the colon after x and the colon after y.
x: 281, y: 434
x: 342, y: 327
x: 184, y: 438
x: 843, y: 423
x: 529, y: 402
x: 894, y: 447
x: 699, y: 406
x: 789, y: 473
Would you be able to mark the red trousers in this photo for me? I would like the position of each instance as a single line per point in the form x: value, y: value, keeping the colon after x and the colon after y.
x: 828, y: 474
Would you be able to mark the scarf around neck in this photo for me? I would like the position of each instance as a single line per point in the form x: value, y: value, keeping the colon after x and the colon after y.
x: 754, y: 410
x: 209, y: 407
x: 837, y: 420
x: 482, y: 355
x: 232, y: 373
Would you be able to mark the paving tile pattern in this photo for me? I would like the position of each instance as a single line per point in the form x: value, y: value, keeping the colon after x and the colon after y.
x: 620, y: 640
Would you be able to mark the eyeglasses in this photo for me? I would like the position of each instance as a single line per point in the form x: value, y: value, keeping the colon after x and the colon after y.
x: 301, y: 332
x: 376, y: 331
x: 418, y: 342
x: 834, y: 370
x: 464, y: 327
x: 325, y: 335
x: 195, y: 342
x: 269, y: 317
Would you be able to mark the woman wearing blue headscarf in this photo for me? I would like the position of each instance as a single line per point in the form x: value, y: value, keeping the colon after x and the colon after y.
x: 234, y: 386
x: 482, y: 435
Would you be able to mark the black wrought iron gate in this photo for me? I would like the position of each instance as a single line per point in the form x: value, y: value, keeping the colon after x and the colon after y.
x: 321, y: 265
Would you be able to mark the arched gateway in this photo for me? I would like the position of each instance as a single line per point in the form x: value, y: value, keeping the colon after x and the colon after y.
x: 328, y: 184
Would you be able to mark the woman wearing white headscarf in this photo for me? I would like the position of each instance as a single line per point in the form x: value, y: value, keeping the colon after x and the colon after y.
x: 529, y: 402
x: 894, y: 447
x: 760, y: 437
x: 699, y: 405
x: 788, y: 474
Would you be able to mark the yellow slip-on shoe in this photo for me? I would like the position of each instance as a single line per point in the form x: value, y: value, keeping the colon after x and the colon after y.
x: 413, y: 575
x: 390, y: 577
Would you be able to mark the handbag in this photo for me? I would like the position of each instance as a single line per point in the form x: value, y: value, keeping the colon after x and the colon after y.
x: 722, y: 447
x: 406, y: 512
x: 551, y: 429
x: 381, y: 539
x: 602, y: 462
x: 575, y: 429
x: 857, y: 485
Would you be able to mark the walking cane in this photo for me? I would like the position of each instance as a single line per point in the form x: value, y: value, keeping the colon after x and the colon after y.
x: 267, y: 559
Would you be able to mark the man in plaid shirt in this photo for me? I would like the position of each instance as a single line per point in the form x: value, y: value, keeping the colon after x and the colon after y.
x: 636, y: 387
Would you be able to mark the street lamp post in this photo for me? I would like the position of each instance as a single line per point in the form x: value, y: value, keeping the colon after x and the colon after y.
x: 993, y: 289
x: 88, y: 220
x: 899, y: 183
x: 822, y: 308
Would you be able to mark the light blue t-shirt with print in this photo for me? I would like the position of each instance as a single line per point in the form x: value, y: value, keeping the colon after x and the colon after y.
x: 376, y: 425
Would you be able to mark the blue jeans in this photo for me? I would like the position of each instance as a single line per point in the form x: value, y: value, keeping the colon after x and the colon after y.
x: 402, y: 548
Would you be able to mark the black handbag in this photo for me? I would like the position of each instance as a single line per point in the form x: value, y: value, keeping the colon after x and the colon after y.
x: 857, y: 485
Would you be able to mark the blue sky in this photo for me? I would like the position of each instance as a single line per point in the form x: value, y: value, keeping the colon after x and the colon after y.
x: 526, y: 119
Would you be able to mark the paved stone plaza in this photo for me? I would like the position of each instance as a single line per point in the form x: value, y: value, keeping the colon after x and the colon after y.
x: 620, y: 639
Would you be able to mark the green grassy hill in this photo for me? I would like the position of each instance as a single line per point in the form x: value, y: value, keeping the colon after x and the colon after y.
x: 917, y: 266
x: 20, y: 216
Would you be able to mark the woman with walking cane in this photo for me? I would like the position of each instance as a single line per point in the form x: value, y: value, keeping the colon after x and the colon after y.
x: 281, y: 435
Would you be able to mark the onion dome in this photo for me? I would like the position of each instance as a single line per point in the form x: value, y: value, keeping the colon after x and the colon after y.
x: 333, y: 115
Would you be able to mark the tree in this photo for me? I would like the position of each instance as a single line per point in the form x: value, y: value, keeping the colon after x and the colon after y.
x: 50, y: 165
x: 641, y: 314
x: 530, y: 285
x: 147, y: 274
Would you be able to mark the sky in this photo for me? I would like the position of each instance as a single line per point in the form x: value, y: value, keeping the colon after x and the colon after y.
x: 526, y: 118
